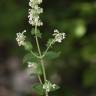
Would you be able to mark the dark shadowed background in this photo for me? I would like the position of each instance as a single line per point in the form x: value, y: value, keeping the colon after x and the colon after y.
x: 74, y: 70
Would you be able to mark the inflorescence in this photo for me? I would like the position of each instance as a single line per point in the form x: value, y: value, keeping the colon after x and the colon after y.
x: 34, y: 20
x: 21, y: 38
x: 34, y: 13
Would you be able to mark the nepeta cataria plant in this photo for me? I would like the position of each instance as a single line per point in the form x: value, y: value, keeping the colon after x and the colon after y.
x: 34, y: 61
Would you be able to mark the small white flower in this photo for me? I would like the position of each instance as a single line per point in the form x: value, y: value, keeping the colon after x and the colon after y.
x: 34, y: 2
x: 32, y: 66
x: 48, y: 86
x: 21, y: 38
x: 35, y: 21
x: 54, y: 86
x: 34, y: 12
x: 58, y: 36
x: 38, y: 9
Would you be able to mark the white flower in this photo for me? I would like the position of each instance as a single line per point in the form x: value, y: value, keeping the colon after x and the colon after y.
x: 35, y: 21
x: 21, y: 38
x: 58, y: 36
x: 48, y: 86
x: 34, y: 2
x: 32, y: 66
x: 54, y: 86
x: 34, y: 12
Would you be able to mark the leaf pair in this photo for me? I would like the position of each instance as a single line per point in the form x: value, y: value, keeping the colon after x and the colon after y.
x: 33, y: 60
x: 38, y: 33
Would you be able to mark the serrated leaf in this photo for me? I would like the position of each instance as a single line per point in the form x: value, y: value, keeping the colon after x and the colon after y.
x: 38, y: 89
x: 38, y: 70
x: 28, y: 46
x: 52, y: 55
x: 35, y: 68
x: 29, y: 58
x: 38, y: 33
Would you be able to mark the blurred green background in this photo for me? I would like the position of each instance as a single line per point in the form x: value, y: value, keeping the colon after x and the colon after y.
x: 75, y: 69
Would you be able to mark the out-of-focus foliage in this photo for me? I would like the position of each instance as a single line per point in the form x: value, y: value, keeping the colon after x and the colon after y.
x: 75, y: 69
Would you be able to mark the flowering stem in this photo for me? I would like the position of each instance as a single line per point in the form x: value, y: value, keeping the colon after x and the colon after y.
x: 41, y: 59
x: 47, y: 48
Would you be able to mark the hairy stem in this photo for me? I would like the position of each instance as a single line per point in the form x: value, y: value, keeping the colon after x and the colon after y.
x: 41, y: 59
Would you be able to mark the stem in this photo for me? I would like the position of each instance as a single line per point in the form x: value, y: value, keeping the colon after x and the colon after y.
x: 35, y: 54
x: 47, y: 49
x: 46, y: 93
x: 40, y: 79
x: 43, y: 69
x: 39, y: 51
x: 41, y: 59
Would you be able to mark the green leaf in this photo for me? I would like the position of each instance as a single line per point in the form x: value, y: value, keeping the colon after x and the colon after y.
x: 35, y: 69
x: 29, y: 58
x: 38, y: 70
x: 38, y: 33
x: 38, y: 89
x: 49, y: 42
x: 28, y: 46
x: 33, y: 31
x: 52, y: 55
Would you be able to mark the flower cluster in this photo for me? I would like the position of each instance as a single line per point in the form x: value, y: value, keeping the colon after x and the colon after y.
x: 34, y: 13
x: 32, y: 66
x: 21, y: 38
x: 58, y: 36
x: 48, y: 86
